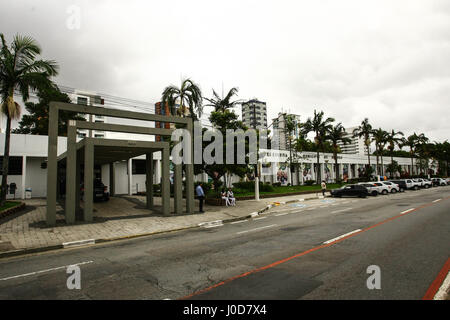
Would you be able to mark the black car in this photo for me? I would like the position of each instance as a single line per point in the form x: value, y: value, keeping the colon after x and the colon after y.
x: 401, y: 184
x: 100, y: 191
x: 350, y: 190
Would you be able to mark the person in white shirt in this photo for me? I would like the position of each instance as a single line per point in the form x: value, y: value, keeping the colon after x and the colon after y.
x: 225, y: 197
x: 231, y: 197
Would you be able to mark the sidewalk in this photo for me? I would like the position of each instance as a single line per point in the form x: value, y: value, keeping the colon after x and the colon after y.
x: 27, y: 232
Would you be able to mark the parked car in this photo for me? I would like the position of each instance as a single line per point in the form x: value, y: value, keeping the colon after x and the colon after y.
x: 372, y: 189
x: 439, y: 182
x: 402, y: 184
x: 384, y: 188
x: 394, y: 187
x: 100, y: 191
x: 416, y: 184
x: 423, y: 183
x: 427, y: 183
x: 351, y: 190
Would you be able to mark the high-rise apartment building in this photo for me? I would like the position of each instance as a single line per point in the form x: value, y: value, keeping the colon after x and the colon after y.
x: 356, y: 146
x: 280, y: 139
x: 254, y: 114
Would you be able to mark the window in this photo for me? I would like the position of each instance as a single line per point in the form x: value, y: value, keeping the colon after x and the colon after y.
x: 15, y: 166
x: 99, y: 135
x: 82, y: 100
x: 138, y: 166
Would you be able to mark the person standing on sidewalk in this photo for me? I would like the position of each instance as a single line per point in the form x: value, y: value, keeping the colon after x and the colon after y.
x: 324, y: 187
x: 200, y: 196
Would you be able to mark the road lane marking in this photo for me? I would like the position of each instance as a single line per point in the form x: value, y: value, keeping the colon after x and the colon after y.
x: 298, y: 255
x: 256, y: 229
x: 238, y: 221
x: 437, y: 200
x: 343, y: 236
x: 260, y: 218
x: 406, y: 211
x: 281, y: 214
x: 341, y: 210
x: 43, y: 271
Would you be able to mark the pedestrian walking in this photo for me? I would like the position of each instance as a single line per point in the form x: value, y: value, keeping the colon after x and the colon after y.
x: 324, y: 187
x: 200, y: 196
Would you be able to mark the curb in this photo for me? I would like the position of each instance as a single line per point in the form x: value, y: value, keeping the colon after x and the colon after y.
x: 86, y: 242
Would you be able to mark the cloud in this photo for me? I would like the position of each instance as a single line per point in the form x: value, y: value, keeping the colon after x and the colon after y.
x: 385, y: 60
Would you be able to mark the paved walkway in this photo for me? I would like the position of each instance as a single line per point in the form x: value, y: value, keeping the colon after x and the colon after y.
x: 121, y: 217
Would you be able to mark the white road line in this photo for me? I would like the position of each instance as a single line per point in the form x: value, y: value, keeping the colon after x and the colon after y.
x: 343, y: 236
x: 260, y: 218
x: 437, y: 200
x: 43, y: 271
x: 310, y: 209
x: 256, y: 229
x: 238, y: 221
x: 282, y: 214
x: 341, y: 210
x: 406, y: 211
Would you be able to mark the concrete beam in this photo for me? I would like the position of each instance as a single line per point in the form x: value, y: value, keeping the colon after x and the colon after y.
x: 122, y: 128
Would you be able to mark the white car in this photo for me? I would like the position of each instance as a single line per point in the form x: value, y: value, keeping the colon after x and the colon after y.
x: 439, y: 182
x: 416, y: 184
x: 384, y: 188
x: 394, y: 188
x: 373, y: 189
x: 423, y: 183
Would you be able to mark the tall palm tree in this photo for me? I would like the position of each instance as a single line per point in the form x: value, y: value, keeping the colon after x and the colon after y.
x: 189, y: 97
x: 221, y: 104
x: 412, y: 142
x: 320, y: 127
x: 20, y: 70
x: 392, y: 141
x: 290, y: 124
x: 335, y: 135
x: 364, y: 131
x: 380, y: 138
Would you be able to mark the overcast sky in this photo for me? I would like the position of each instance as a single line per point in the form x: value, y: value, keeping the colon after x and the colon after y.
x: 385, y: 60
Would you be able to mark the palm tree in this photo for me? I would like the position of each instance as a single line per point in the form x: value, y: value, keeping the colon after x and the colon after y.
x: 413, y: 141
x: 189, y: 97
x: 290, y: 127
x: 19, y: 70
x: 364, y: 131
x: 221, y: 104
x: 320, y: 127
x: 335, y: 135
x: 380, y: 138
x: 392, y: 141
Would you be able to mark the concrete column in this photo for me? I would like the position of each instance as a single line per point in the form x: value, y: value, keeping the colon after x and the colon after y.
x: 88, y: 180
x: 350, y: 172
x: 158, y: 172
x: 130, y: 177
x: 190, y: 205
x: 71, y: 172
x: 341, y: 171
x: 112, y: 179
x: 322, y: 172
x: 165, y: 181
x: 52, y: 179
x: 78, y: 186
x: 149, y: 179
x: 24, y: 175
x: 178, y: 188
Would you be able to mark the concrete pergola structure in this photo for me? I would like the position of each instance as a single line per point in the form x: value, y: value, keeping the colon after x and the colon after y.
x: 109, y: 151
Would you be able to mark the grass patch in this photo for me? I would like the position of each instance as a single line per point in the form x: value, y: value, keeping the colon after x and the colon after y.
x: 9, y: 204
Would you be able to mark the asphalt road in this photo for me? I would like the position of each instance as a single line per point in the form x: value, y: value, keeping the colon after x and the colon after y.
x: 284, y: 254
